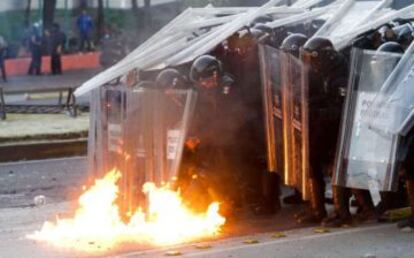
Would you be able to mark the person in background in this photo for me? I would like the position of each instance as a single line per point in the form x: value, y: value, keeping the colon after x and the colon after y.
x: 58, y: 39
x: 35, y: 44
x: 85, y: 26
x: 3, y: 51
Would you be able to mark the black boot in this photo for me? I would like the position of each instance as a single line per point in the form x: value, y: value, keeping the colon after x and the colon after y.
x: 341, y: 216
x: 366, y: 206
x: 295, y: 198
x: 410, y: 192
x: 317, y: 203
x: 271, y: 192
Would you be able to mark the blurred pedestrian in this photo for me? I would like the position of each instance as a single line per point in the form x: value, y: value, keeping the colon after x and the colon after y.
x: 58, y: 39
x: 3, y: 51
x: 85, y: 26
x: 35, y: 45
x: 112, y: 47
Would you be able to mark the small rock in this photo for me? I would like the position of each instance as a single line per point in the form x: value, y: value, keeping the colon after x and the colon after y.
x: 203, y: 246
x: 407, y: 230
x: 54, y: 179
x: 369, y: 256
x: 321, y: 230
x: 251, y: 241
x: 173, y: 253
x: 278, y: 235
x: 39, y: 200
x: 11, y: 172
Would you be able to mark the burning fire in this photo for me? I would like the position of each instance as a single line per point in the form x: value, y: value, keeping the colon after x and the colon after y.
x: 97, y: 224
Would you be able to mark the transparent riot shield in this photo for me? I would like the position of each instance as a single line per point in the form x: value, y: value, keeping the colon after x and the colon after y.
x: 157, y: 125
x: 105, y: 142
x: 141, y: 132
x: 295, y: 122
x: 366, y: 156
x: 393, y: 106
x: 270, y: 59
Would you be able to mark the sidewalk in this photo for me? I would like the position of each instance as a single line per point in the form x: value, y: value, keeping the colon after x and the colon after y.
x: 40, y: 128
x: 22, y: 127
x: 20, y: 84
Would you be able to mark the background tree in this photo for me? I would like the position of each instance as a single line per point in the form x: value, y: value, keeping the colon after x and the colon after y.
x: 100, y: 21
x: 49, y: 7
x: 147, y: 18
x: 27, y: 13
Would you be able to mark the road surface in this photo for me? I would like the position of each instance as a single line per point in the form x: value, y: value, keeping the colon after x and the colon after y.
x: 61, y: 181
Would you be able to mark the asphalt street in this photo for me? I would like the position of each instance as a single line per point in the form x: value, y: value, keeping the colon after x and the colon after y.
x: 61, y: 181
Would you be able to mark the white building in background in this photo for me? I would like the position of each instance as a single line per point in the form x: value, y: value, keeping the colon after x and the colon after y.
x: 8, y: 5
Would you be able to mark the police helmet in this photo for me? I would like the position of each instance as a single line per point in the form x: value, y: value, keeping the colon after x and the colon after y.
x: 392, y: 47
x: 405, y: 36
x: 204, y: 67
x: 293, y: 43
x: 170, y: 79
x: 320, y: 50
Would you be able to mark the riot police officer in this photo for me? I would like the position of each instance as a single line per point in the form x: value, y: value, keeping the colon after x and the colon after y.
x: 326, y: 97
x: 262, y: 186
x: 392, y: 200
x: 327, y: 82
x: 388, y: 33
x: 292, y: 45
x: 407, y: 154
x: 213, y: 135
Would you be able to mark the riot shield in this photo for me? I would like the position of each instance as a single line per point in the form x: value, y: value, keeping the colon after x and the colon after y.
x: 366, y: 156
x: 295, y: 122
x: 106, y: 127
x: 141, y: 132
x: 393, y: 107
x: 270, y: 59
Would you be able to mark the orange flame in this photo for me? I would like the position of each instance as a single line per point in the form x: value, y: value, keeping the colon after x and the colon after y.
x: 97, y: 225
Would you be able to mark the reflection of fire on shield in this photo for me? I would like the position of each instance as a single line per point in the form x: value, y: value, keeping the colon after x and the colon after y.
x: 294, y: 81
x: 272, y: 99
x: 142, y: 134
x: 366, y: 153
x: 285, y: 106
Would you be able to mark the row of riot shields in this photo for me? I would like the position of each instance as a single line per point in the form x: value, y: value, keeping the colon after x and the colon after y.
x: 366, y: 157
x: 141, y: 133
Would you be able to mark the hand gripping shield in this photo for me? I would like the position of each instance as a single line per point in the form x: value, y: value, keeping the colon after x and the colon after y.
x: 366, y: 155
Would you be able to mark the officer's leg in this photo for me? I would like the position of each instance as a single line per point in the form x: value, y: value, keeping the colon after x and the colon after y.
x: 410, y: 192
x: 271, y: 193
x: 317, y: 199
x: 295, y: 198
x: 365, y: 204
x: 341, y: 215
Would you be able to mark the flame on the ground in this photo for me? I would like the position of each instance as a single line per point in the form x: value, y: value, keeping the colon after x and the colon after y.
x: 97, y: 224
